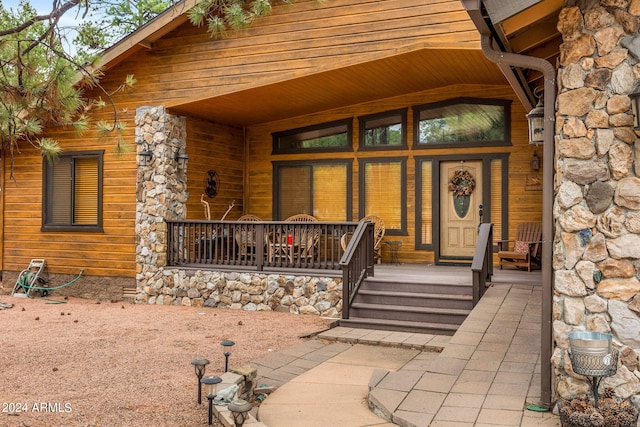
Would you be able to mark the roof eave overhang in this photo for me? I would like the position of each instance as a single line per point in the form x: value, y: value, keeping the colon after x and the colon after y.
x: 145, y: 36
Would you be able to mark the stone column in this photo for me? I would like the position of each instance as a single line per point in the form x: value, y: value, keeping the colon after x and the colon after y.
x: 161, y: 193
x: 597, y: 203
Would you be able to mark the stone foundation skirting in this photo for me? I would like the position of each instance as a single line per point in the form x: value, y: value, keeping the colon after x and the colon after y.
x: 247, y: 291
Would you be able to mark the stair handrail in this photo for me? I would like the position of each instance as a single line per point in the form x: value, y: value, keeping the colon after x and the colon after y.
x: 482, y: 265
x: 357, y: 263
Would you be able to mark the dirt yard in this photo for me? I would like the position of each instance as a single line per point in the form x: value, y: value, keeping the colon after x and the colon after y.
x: 89, y: 363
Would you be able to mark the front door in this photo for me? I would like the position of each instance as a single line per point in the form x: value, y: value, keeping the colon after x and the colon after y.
x: 459, y: 215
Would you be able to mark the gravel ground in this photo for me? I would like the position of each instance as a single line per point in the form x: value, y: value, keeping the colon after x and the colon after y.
x: 89, y: 363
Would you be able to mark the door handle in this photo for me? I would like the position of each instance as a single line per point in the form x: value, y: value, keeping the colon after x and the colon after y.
x: 480, y: 213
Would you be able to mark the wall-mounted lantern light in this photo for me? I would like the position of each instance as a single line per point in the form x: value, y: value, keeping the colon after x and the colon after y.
x: 536, y: 123
x: 635, y: 107
x: 181, y: 158
x: 145, y: 155
x: 535, y: 162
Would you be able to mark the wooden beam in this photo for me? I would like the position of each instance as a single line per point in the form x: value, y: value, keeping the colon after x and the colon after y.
x: 499, y: 10
x: 532, y: 15
x: 145, y: 44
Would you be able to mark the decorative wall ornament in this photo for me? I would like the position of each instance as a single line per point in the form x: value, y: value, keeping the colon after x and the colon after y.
x: 462, y: 183
x: 211, y: 183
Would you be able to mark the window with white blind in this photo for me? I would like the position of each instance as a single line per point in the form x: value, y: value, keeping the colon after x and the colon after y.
x: 321, y: 189
x: 383, y: 192
x: 73, y: 192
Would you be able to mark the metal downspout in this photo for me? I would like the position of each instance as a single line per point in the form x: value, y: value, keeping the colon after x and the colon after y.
x: 533, y: 63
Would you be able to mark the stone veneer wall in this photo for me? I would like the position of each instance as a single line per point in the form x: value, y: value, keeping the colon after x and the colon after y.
x: 161, y: 195
x: 597, y: 205
x: 246, y: 291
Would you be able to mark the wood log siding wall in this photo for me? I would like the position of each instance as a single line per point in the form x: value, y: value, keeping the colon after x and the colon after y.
x: 111, y: 253
x: 187, y: 64
x: 217, y: 147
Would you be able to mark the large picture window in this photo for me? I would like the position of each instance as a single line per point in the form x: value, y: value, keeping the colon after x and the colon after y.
x: 333, y: 136
x: 462, y: 123
x: 383, y: 192
x: 383, y: 130
x: 73, y: 192
x: 321, y: 189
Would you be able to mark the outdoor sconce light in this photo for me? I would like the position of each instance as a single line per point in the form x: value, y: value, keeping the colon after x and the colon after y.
x: 199, y: 365
x: 536, y: 123
x: 145, y: 155
x: 535, y: 161
x: 635, y: 107
x: 239, y: 410
x: 181, y: 158
x: 211, y: 388
x: 227, y: 353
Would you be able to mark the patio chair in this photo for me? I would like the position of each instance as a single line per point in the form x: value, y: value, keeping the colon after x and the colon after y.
x: 526, y: 248
x: 246, y: 236
x: 305, y: 240
x: 378, y: 233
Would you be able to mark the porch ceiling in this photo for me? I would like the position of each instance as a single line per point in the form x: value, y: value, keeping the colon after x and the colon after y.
x: 405, y: 73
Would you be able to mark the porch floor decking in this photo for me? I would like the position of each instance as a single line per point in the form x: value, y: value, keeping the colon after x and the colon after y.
x: 451, y: 274
x: 410, y: 273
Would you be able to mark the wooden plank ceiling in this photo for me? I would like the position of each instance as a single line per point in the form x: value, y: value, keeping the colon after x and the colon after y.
x: 405, y: 73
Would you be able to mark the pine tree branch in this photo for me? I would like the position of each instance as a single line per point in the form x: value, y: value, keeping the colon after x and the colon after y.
x: 55, y: 14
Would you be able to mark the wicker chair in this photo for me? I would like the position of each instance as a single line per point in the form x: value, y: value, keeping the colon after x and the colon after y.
x: 526, y: 248
x: 378, y: 233
x: 306, y: 239
x: 246, y: 237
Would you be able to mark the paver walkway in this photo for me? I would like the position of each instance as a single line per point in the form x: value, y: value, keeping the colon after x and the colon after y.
x: 485, y: 375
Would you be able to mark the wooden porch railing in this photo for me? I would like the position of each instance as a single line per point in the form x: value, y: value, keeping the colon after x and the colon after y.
x: 357, y: 263
x: 482, y: 265
x: 257, y: 244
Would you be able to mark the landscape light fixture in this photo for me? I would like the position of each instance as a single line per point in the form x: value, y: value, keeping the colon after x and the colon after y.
x: 145, y: 155
x: 240, y: 411
x: 200, y: 365
x: 211, y: 388
x: 536, y: 123
x: 635, y: 107
x: 227, y: 344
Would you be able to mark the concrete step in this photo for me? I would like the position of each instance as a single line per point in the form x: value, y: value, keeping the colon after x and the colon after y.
x: 399, y: 325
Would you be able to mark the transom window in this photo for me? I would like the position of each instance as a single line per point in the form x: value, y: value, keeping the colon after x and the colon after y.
x: 462, y: 122
x: 383, y: 130
x: 73, y: 192
x: 333, y: 136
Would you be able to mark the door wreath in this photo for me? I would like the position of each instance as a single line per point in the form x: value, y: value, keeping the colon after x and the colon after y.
x: 462, y: 183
